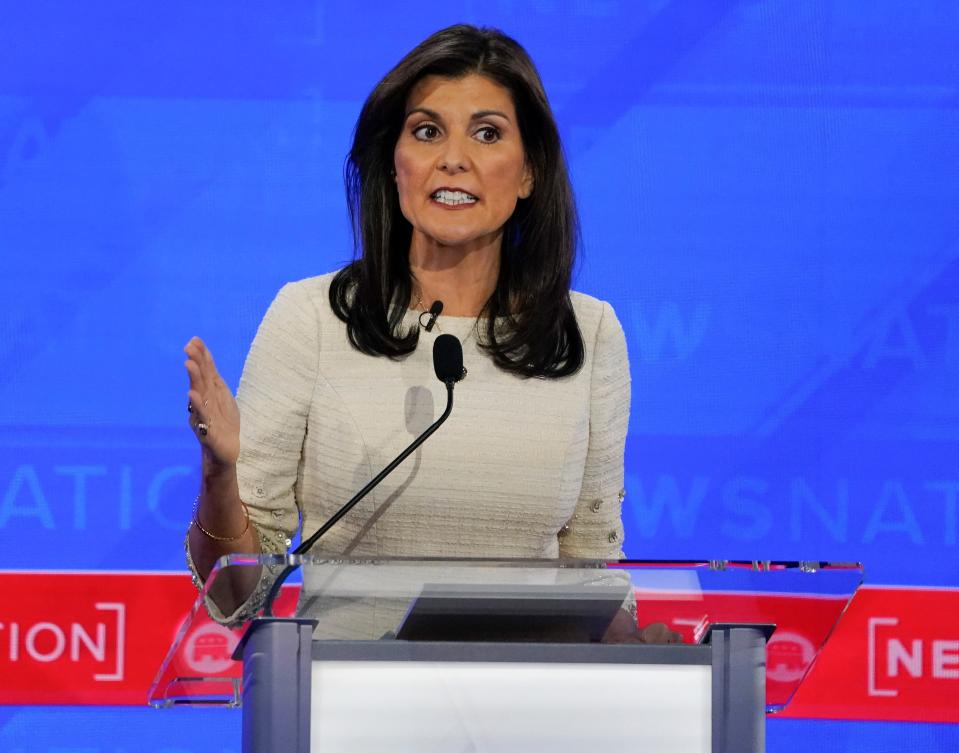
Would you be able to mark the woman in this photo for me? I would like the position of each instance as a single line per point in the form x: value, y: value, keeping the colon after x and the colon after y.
x: 458, y: 193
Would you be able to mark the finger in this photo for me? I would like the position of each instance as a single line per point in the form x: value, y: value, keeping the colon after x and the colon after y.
x: 211, y: 376
x: 200, y: 425
x: 208, y: 356
x: 201, y: 351
x: 198, y: 413
x: 193, y: 348
x: 194, y: 420
x: 194, y: 342
x: 197, y: 380
x: 198, y: 352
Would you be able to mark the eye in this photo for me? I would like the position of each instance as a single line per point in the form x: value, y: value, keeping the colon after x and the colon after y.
x: 488, y: 134
x: 426, y: 132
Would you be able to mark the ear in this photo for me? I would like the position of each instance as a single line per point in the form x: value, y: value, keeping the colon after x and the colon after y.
x: 526, y: 185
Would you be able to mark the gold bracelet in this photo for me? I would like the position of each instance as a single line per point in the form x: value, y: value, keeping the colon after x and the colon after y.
x: 196, y: 522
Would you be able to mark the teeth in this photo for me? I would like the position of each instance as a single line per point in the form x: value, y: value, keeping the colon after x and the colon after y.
x: 453, y: 198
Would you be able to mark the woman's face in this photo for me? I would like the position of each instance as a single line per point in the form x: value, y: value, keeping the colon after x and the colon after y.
x: 460, y: 162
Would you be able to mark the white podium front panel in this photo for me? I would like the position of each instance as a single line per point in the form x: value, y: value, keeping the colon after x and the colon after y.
x: 505, y: 707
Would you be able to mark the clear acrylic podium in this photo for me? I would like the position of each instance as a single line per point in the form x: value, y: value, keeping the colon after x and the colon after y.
x: 508, y: 655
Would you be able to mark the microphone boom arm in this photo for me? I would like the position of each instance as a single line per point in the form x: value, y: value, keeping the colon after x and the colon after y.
x: 308, y: 543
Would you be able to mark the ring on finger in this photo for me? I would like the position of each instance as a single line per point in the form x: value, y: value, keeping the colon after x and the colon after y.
x: 202, y: 429
x: 189, y: 406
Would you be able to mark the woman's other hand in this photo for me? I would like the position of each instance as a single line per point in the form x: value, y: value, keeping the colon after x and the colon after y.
x: 659, y: 632
x: 213, y: 412
x: 624, y: 629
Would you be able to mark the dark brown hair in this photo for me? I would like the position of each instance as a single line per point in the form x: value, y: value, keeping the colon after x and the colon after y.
x: 530, y: 325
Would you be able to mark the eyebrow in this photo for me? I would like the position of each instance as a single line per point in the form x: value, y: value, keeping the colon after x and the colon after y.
x: 475, y: 116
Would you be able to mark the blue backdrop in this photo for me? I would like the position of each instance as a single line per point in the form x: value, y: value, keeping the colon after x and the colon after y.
x: 768, y: 192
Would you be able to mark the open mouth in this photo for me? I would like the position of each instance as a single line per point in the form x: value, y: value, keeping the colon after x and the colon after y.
x: 453, y: 198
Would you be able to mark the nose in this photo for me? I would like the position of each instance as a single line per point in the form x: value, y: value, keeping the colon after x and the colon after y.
x: 454, y: 158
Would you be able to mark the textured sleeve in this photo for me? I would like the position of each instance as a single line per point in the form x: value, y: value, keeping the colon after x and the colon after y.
x: 275, y: 393
x: 596, y: 528
x: 274, y: 399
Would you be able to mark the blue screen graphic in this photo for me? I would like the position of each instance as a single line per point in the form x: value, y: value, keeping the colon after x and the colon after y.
x: 768, y: 195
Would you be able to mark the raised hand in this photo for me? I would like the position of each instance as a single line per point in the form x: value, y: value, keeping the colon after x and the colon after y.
x: 213, y: 412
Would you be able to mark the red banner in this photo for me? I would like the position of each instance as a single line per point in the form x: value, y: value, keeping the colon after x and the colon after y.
x: 99, y: 638
x: 87, y: 638
x: 894, y: 656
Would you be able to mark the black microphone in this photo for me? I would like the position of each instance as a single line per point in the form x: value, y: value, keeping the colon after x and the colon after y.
x: 448, y: 366
x: 448, y: 359
x: 435, y: 310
